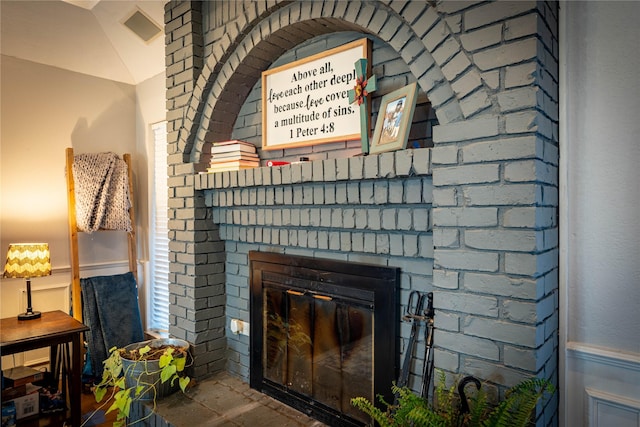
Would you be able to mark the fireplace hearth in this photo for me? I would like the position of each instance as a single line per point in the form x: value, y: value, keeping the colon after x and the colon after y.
x: 323, y: 331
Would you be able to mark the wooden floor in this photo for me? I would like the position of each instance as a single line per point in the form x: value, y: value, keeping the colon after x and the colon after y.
x: 89, y: 406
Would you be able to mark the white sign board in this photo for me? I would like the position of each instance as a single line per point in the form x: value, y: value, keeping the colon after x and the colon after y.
x: 306, y: 102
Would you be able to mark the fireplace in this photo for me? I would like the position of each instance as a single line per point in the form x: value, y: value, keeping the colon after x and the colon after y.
x: 322, y: 332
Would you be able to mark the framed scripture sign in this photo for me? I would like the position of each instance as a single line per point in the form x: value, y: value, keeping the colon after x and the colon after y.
x: 306, y: 102
x: 394, y: 120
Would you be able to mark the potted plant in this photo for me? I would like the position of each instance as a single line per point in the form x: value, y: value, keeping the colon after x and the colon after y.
x: 451, y: 409
x: 142, y: 372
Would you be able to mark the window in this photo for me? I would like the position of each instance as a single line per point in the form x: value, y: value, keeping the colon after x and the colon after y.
x: 158, y: 290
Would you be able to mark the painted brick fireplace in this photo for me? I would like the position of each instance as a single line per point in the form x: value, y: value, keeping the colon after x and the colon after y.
x: 471, y: 217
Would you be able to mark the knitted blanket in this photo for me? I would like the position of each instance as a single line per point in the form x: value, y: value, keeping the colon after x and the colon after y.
x: 102, y: 192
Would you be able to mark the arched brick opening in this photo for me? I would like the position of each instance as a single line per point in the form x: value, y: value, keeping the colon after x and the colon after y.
x: 236, y: 65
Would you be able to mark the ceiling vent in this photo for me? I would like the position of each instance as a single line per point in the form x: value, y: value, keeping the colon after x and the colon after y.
x: 142, y: 26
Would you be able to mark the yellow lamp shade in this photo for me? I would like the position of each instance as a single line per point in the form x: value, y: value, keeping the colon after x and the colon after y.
x: 25, y: 260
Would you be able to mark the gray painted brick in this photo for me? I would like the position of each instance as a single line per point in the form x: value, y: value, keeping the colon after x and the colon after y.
x: 502, y: 149
x: 508, y: 240
x: 473, y: 174
x: 459, y: 259
x: 383, y: 244
x: 482, y: 38
x: 396, y: 246
x: 475, y: 103
x: 381, y: 192
x: 491, y: 79
x: 348, y: 219
x: 519, y: 358
x: 446, y: 51
x: 504, y: 376
x: 410, y: 245
x: 413, y: 191
x: 522, y: 122
x: 522, y: 26
x: 466, y: 303
x: 445, y: 155
x: 465, y: 344
x: 403, y: 162
x: 531, y: 170
x: 495, y: 12
x: 521, y: 75
x: 317, y: 169
x: 435, y: 35
x: 446, y: 238
x: 466, y: 217
x: 357, y: 242
x: 506, y: 54
x: 353, y: 193
x: 446, y: 360
x: 389, y: 219
x: 530, y: 264
x: 445, y: 197
x: 371, y: 169
x: 503, y: 285
x: 519, y: 311
x: 404, y: 219
x: 370, y: 242
x: 519, y: 98
x: 396, y: 192
x: 317, y: 195
x: 514, y: 194
x: 456, y: 66
x: 361, y: 218
x: 427, y: 190
x: 445, y: 279
x: 421, y: 220
x: 469, y: 129
x: 366, y: 193
x: 386, y: 164
x: 497, y: 330
x: 467, y: 83
x: 528, y: 217
x: 422, y: 161
x: 356, y: 167
x: 329, y: 170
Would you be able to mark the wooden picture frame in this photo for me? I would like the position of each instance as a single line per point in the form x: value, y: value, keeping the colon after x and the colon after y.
x: 394, y: 120
x: 306, y: 102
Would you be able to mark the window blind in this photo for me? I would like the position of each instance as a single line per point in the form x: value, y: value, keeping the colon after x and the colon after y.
x: 158, y: 311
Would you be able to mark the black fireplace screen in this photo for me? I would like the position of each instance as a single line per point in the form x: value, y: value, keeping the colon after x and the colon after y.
x: 322, y: 332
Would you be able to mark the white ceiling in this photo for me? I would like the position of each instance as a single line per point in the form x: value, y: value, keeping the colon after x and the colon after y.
x: 86, y: 36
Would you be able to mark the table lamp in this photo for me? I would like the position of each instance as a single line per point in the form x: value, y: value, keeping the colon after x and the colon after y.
x: 28, y: 260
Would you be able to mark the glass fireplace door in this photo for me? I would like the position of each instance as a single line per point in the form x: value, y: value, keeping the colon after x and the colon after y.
x: 319, y: 346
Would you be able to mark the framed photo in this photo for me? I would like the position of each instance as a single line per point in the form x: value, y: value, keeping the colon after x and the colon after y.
x: 394, y: 120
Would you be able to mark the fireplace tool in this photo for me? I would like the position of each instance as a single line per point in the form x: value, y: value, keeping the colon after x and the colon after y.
x: 427, y: 368
x: 414, y: 315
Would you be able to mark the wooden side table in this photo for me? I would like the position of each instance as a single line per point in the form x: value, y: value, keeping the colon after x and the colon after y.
x: 52, y: 329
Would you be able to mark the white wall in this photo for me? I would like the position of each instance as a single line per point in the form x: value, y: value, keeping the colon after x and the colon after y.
x: 600, y: 216
x: 44, y: 111
x: 151, y: 108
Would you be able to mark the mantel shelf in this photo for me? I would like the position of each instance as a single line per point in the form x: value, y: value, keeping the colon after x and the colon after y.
x: 404, y: 163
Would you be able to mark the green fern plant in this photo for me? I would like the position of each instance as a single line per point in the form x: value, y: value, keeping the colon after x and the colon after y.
x: 412, y: 411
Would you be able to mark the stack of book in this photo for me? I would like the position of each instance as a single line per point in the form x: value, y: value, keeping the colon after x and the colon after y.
x: 233, y: 156
x: 20, y: 397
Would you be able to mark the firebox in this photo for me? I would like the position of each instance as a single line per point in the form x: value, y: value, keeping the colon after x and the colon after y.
x: 322, y: 332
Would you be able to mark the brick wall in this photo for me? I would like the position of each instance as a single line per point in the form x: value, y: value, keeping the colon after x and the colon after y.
x: 373, y: 210
x: 490, y: 72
